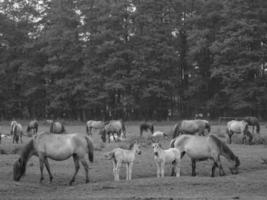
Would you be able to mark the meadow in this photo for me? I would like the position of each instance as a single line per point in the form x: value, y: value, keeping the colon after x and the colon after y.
x: 250, y: 183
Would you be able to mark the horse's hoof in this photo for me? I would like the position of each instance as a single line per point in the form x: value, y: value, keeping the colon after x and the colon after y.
x: 51, y: 179
x: 87, y: 181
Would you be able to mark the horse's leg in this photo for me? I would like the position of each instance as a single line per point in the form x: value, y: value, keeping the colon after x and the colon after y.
x: 127, y: 171
x: 193, y: 167
x: 21, y: 137
x: 77, y: 167
x: 178, y: 167
x: 48, y: 169
x: 221, y: 171
x: 162, y: 165
x: 118, y: 167
x: 114, y: 169
x: 41, y: 161
x: 213, y: 169
x: 158, y: 169
x: 130, y: 170
x: 113, y: 134
x: 85, y: 165
x: 108, y: 137
x: 230, y: 134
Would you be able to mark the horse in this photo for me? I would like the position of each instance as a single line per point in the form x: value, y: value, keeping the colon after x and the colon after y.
x: 32, y: 126
x: 161, y: 156
x: 56, y: 147
x: 120, y: 156
x: 238, y: 127
x: 111, y: 128
x: 91, y: 124
x: 191, y: 127
x: 253, y: 121
x: 145, y: 127
x: 200, y: 148
x: 16, y: 131
x: 56, y: 127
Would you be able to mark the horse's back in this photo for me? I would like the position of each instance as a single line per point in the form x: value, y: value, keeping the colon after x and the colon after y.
x: 60, y: 147
x: 189, y: 126
x: 197, y: 147
x: 236, y: 126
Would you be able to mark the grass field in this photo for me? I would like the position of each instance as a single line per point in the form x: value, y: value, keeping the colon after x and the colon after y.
x: 250, y: 183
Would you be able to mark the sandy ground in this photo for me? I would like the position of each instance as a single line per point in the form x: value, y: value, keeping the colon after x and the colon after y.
x: 250, y: 183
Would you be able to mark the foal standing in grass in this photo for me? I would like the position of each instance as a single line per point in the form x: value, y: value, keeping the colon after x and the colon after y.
x: 120, y: 156
x: 161, y: 156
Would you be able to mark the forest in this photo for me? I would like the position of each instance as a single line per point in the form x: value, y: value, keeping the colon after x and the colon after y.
x: 132, y: 59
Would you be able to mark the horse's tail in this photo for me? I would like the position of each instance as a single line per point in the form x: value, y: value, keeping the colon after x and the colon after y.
x: 258, y: 127
x: 207, y: 126
x: 87, y: 129
x: 90, y: 147
x: 152, y: 128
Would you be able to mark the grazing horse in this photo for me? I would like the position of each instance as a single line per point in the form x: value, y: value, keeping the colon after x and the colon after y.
x: 191, y: 127
x: 56, y: 127
x: 161, y: 156
x: 145, y: 127
x: 238, y: 127
x: 113, y: 127
x: 16, y: 131
x: 56, y: 147
x: 91, y: 124
x: 200, y: 148
x: 33, y: 126
x: 120, y: 156
x: 253, y: 121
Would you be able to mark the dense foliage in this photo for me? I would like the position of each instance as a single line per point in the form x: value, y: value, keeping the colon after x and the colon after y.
x: 132, y: 59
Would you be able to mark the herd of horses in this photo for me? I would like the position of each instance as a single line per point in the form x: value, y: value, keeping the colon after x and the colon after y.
x: 190, y: 137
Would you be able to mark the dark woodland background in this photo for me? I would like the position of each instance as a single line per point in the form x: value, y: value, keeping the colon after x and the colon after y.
x: 132, y: 59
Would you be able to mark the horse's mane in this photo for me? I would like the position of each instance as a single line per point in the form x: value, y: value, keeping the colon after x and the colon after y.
x: 223, y: 148
x: 176, y: 129
x: 26, y: 150
x: 131, y: 145
x: 180, y: 139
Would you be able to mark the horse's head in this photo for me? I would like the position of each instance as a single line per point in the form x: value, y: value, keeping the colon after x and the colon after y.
x: 235, y: 165
x: 19, y: 169
x: 136, y: 147
x: 156, y: 147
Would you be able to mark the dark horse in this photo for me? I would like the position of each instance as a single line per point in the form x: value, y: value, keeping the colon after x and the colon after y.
x: 253, y: 121
x: 145, y: 127
x: 33, y: 126
x: 57, y: 147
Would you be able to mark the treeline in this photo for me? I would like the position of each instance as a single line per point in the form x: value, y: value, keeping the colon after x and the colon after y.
x: 132, y: 59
